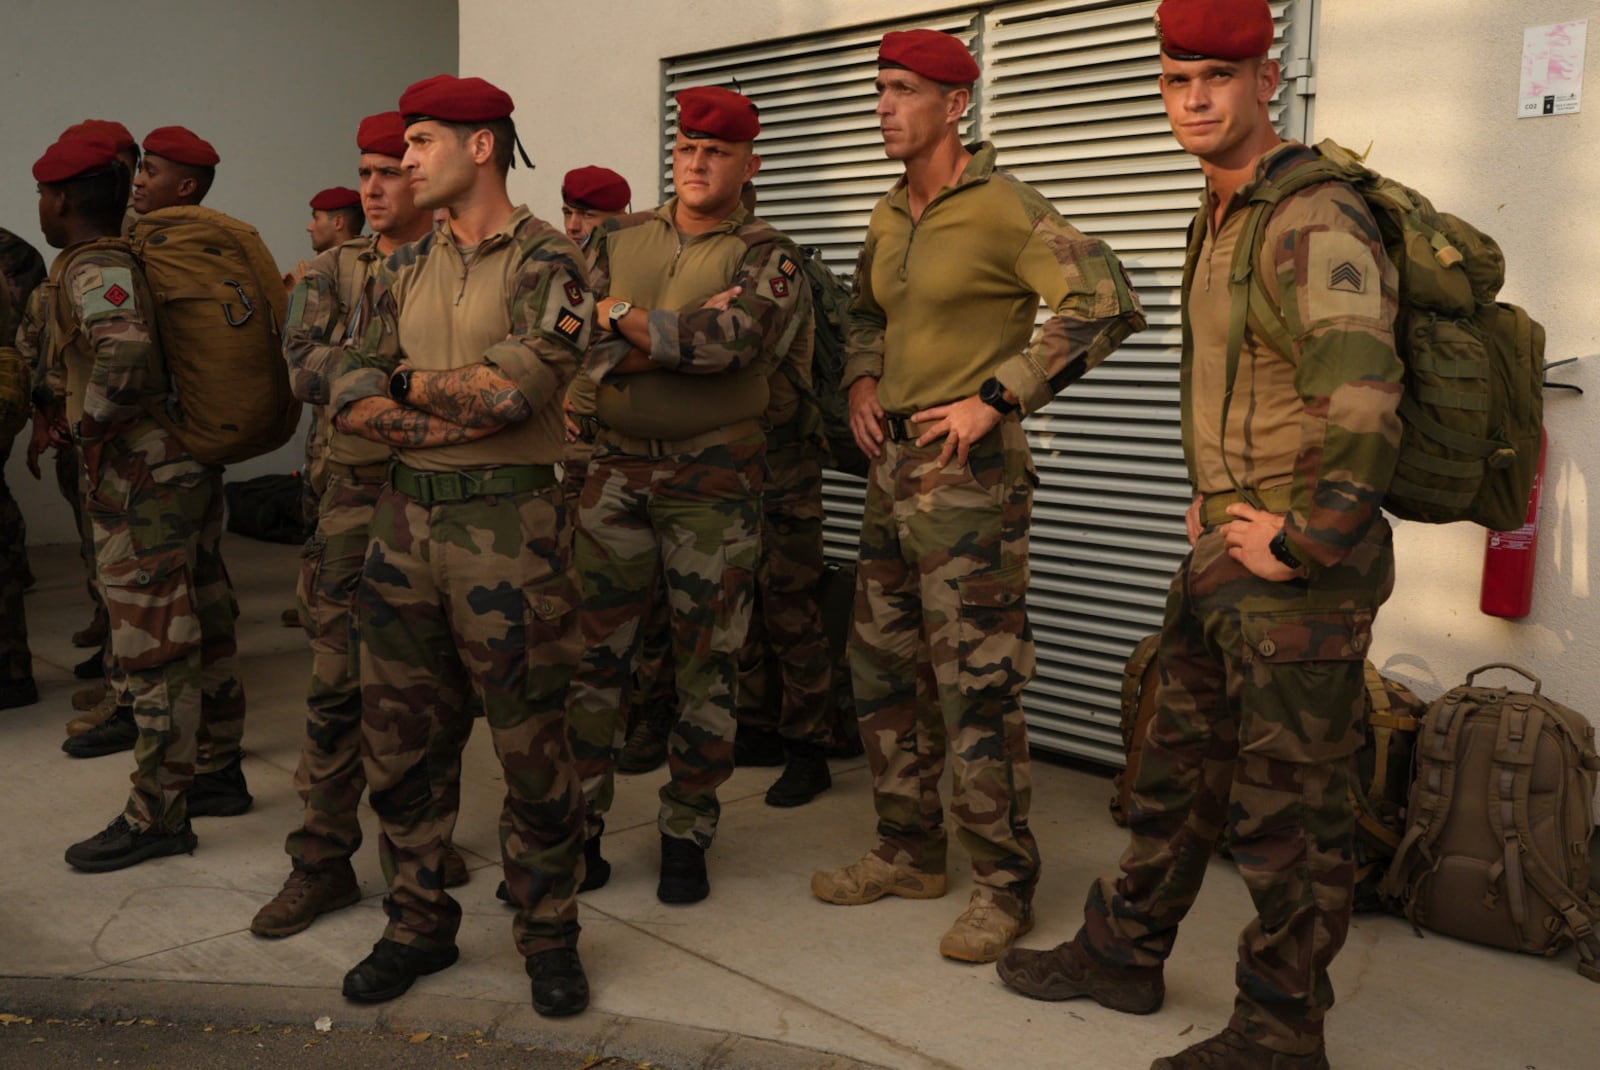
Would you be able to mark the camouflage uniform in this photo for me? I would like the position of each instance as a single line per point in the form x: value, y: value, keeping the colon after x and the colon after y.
x: 471, y: 590
x: 941, y: 647
x: 21, y: 270
x: 786, y: 632
x: 652, y: 686
x: 673, y: 492
x: 156, y: 513
x: 327, y: 310
x: 1261, y: 696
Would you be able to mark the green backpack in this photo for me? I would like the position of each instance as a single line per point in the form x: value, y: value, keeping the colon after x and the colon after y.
x: 830, y: 298
x: 1473, y: 412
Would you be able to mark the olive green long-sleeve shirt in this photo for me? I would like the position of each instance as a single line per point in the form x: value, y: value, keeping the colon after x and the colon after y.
x: 948, y: 301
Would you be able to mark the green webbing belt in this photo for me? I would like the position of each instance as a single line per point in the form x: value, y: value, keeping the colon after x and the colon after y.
x: 443, y: 488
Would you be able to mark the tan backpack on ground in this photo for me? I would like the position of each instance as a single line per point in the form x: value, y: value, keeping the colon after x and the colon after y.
x: 1138, y: 706
x: 1496, y: 848
x: 219, y: 316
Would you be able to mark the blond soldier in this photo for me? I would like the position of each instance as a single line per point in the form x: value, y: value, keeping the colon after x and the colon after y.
x: 328, y: 309
x: 467, y: 585
x: 940, y: 368
x: 1262, y: 688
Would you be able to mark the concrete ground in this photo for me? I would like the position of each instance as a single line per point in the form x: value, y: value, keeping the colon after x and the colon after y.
x: 760, y: 974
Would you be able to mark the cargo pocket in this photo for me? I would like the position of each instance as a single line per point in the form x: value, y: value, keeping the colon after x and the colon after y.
x: 1304, y: 695
x: 310, y: 576
x: 735, y: 594
x: 151, y: 603
x: 551, y: 631
x: 994, y: 642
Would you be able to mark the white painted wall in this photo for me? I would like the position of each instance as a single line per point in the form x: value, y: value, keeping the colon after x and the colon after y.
x: 277, y: 86
x: 1431, y: 85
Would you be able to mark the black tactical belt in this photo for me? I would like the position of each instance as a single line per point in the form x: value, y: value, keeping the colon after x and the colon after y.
x: 443, y: 488
x: 785, y: 435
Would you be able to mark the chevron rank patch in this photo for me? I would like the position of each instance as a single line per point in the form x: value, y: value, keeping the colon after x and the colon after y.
x: 787, y: 267
x: 1342, y: 279
x: 1347, y: 277
x: 569, y: 324
x: 574, y: 292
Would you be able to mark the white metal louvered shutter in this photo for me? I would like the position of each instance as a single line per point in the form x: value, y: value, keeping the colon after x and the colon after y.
x: 1069, y: 97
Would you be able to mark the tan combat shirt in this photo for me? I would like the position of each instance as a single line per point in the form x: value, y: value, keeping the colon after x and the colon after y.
x: 1321, y: 419
x: 715, y: 364
x: 519, y: 301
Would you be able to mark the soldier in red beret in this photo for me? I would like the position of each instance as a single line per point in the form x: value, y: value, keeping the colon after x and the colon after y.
x: 478, y: 328
x: 943, y: 363
x: 590, y: 196
x: 344, y: 474
x: 1262, y: 686
x: 158, y: 511
x: 178, y: 169
x: 336, y: 217
x: 700, y: 301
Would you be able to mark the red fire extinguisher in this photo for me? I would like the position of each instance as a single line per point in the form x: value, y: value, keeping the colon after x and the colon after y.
x: 1509, y: 557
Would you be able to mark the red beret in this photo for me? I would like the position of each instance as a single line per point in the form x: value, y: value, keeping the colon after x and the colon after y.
x: 929, y: 53
x: 70, y: 157
x: 105, y: 130
x: 383, y: 133
x: 712, y: 111
x: 335, y: 198
x: 598, y: 188
x: 180, y: 146
x: 454, y: 100
x: 1214, y: 29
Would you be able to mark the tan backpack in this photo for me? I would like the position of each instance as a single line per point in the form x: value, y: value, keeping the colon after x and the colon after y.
x: 219, y: 313
x: 1138, y: 706
x: 1496, y: 848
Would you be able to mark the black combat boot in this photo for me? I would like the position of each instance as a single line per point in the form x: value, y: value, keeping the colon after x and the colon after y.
x: 683, y: 871
x: 804, y: 777
x: 221, y: 793
x: 112, y: 736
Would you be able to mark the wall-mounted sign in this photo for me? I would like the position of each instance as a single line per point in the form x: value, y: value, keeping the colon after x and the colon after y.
x: 1552, y: 69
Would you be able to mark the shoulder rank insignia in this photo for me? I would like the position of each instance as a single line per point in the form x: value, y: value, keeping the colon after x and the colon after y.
x: 569, y: 324
x: 1347, y: 277
x: 787, y: 267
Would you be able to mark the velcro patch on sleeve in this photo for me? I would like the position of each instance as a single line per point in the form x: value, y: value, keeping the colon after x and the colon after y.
x: 111, y: 292
x: 569, y: 324
x: 1342, y: 280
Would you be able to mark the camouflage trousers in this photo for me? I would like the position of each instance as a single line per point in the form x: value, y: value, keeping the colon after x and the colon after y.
x: 471, y: 598
x: 786, y: 632
x: 940, y: 652
x: 16, y: 661
x: 329, y: 777
x: 1260, y: 706
x: 688, y: 522
x: 652, y: 685
x: 157, y: 519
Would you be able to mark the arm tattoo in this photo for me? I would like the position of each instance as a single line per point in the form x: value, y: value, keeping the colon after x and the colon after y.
x: 398, y: 425
x: 478, y: 396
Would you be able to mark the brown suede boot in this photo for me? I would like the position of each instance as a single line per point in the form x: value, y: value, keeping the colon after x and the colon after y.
x: 94, y: 716
x: 87, y: 698
x: 1068, y: 972
x: 305, y: 896
x: 1231, y: 1050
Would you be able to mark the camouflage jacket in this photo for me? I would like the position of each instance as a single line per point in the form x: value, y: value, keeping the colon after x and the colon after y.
x: 1322, y: 419
x: 521, y: 303
x: 945, y: 302
x: 714, y: 364
x: 103, y: 358
x: 21, y: 270
x: 327, y: 313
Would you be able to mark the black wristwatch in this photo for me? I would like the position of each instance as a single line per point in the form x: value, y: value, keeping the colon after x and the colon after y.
x: 400, y: 384
x: 1280, y: 549
x: 993, y: 394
